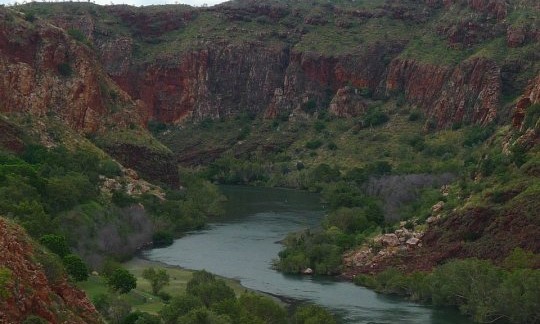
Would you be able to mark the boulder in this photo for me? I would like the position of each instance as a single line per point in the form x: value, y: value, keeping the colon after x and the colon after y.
x: 389, y: 240
x: 413, y: 241
x: 437, y: 207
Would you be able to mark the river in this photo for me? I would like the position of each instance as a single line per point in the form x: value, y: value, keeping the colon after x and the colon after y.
x: 244, y: 242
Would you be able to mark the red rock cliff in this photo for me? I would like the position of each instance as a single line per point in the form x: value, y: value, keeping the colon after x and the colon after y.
x: 31, y: 291
x: 469, y: 92
x: 44, y: 71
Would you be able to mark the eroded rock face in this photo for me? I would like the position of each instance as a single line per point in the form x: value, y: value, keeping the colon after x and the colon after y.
x: 530, y: 97
x: 470, y: 92
x: 45, y: 72
x: 31, y: 292
x: 348, y: 103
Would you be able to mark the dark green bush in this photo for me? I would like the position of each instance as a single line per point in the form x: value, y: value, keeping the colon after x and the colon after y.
x: 314, y: 144
x: 375, y: 117
x: 56, y: 244
x: 415, y: 115
x: 75, y: 267
x: 477, y: 134
x: 532, y: 114
x: 65, y: 69
x: 76, y: 34
x: 162, y: 239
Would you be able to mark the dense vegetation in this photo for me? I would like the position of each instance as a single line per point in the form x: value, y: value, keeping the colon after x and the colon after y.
x: 61, y: 197
x: 480, y: 289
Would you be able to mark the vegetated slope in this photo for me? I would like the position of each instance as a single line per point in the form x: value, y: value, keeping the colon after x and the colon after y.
x: 33, y: 283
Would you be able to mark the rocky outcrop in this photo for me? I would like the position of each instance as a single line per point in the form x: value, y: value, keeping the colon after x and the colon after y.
x: 381, y: 250
x: 46, y: 72
x: 32, y: 289
x: 348, y: 103
x: 150, y: 163
x: 530, y: 97
x: 469, y: 92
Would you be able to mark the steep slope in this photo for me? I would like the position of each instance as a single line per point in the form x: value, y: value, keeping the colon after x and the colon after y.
x: 459, y: 61
x: 48, y: 73
x: 35, y: 286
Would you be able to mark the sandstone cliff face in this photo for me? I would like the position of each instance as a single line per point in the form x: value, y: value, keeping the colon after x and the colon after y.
x: 220, y: 76
x: 46, y: 72
x: 30, y: 290
x: 470, y: 92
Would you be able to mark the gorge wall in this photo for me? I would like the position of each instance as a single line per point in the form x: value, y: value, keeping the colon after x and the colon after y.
x: 175, y: 63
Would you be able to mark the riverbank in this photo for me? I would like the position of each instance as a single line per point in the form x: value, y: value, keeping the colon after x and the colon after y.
x: 142, y: 299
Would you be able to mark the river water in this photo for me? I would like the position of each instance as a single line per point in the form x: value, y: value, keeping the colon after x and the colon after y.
x: 243, y: 244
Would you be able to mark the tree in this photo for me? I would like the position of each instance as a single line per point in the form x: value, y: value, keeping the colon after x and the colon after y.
x: 208, y: 289
x: 122, y: 281
x: 76, y: 267
x: 56, y: 244
x: 158, y: 279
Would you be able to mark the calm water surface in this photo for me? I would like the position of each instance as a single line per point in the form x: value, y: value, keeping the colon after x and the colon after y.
x: 244, y: 243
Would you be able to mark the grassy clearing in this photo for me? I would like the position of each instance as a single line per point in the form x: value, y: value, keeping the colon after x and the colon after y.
x: 142, y: 298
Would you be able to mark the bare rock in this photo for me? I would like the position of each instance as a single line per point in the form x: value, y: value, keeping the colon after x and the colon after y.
x: 437, y: 207
x: 413, y: 241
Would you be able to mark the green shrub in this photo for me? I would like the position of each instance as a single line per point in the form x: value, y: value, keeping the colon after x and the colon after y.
x: 332, y: 146
x: 76, y: 34
x: 110, y: 168
x: 65, y: 69
x: 30, y: 17
x: 56, y: 244
x: 75, y: 267
x: 33, y: 319
x: 263, y: 309
x: 314, y: 144
x: 162, y: 239
x: 375, y: 117
x: 415, y: 115
x: 532, y: 114
x: 5, y: 279
x: 179, y: 306
x: 319, y: 125
x: 208, y: 289
x: 477, y: 134
x: 310, y: 106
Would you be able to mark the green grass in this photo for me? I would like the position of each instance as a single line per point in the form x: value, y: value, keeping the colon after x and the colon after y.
x: 142, y: 298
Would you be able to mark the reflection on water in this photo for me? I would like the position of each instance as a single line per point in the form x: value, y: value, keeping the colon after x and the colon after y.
x: 244, y: 243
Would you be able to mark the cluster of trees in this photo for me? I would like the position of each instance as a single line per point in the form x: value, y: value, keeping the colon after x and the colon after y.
x: 210, y: 300
x: 480, y: 289
x: 207, y: 300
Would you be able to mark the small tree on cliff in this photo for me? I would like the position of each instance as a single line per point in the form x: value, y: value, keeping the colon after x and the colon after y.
x: 158, y: 279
